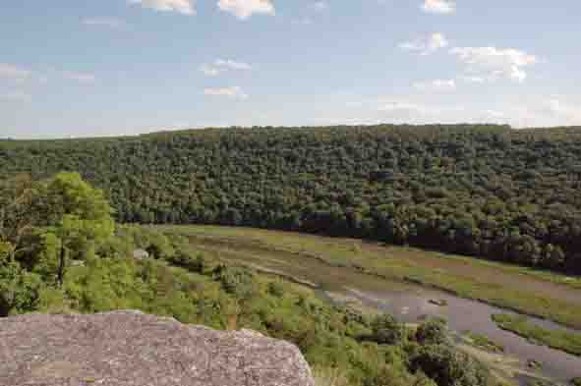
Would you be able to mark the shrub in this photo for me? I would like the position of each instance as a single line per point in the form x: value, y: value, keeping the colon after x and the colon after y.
x: 433, y: 331
x: 187, y: 261
x: 386, y: 330
x: 448, y: 367
x: 235, y: 280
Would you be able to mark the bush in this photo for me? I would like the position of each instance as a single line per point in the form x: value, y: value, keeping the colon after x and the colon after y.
x: 185, y: 260
x: 234, y: 280
x: 19, y: 289
x: 276, y: 288
x: 448, y: 367
x: 433, y: 331
x: 386, y: 330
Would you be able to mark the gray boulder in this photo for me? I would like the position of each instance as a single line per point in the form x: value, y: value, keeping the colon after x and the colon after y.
x: 129, y: 348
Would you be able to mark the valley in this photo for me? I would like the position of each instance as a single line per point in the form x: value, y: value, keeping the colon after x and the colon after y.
x: 412, y: 285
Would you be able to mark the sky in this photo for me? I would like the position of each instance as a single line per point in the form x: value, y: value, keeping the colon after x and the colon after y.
x: 78, y: 68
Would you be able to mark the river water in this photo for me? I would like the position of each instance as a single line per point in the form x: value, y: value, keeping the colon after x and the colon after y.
x: 470, y: 315
x: 411, y: 303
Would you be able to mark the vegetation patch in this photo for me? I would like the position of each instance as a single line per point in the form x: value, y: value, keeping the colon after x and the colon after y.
x: 483, y: 342
x: 60, y: 251
x: 336, y: 262
x: 559, y: 339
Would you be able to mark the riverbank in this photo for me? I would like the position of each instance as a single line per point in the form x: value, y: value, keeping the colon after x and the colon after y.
x: 537, y: 293
x: 387, y: 279
x: 559, y: 339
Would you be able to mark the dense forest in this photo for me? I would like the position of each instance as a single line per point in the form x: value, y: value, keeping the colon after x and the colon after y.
x: 486, y: 191
x: 60, y: 251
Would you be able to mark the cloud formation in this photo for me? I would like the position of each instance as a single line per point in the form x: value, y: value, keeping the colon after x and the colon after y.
x: 491, y: 63
x: 562, y: 111
x: 439, y: 6
x: 320, y: 6
x: 243, y: 9
x: 106, y: 22
x: 234, y: 92
x: 436, y: 85
x: 184, y: 7
x: 409, y: 111
x: 426, y: 45
x: 223, y: 65
x: 539, y: 111
x: 12, y: 72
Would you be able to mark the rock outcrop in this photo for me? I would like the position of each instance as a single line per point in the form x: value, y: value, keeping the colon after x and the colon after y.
x: 128, y: 348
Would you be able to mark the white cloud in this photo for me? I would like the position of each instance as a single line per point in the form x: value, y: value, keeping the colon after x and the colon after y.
x: 491, y: 63
x: 404, y: 107
x: 562, y: 111
x: 234, y: 92
x: 473, y: 79
x: 80, y: 77
x: 243, y: 9
x: 439, y: 6
x: 426, y: 45
x: 9, y: 71
x: 209, y: 70
x: 406, y: 111
x: 15, y: 96
x: 106, y: 22
x: 417, y: 109
x: 518, y: 110
x: 222, y: 65
x: 436, y: 85
x: 534, y: 111
x: 320, y: 6
x: 232, y: 64
x: 185, y: 7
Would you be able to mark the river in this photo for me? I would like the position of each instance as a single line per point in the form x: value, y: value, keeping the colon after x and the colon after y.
x: 470, y: 315
x: 411, y: 303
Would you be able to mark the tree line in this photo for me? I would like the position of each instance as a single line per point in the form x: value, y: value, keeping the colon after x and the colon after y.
x: 479, y: 190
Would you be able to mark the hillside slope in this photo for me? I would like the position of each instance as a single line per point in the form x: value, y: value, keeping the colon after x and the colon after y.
x: 510, y: 195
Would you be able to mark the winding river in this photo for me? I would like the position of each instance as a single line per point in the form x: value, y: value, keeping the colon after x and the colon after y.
x: 411, y: 303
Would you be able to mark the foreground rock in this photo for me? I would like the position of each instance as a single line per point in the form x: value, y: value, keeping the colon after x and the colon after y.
x: 129, y: 348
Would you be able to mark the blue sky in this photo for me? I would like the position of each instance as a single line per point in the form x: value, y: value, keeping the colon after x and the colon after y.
x: 88, y: 68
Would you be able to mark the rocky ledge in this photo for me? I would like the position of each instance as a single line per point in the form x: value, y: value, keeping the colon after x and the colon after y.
x: 128, y: 348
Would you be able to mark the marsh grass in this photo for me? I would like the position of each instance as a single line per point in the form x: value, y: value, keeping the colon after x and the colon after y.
x: 559, y: 339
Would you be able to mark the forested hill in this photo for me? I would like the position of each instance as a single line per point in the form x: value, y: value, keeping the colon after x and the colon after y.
x: 489, y: 191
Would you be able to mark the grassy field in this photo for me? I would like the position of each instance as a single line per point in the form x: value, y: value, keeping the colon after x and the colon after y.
x: 336, y: 263
x: 559, y: 339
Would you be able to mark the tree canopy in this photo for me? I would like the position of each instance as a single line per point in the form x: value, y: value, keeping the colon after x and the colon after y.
x: 478, y: 190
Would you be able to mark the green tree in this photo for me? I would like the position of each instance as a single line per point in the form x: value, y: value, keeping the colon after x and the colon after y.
x: 19, y: 289
x: 77, y: 220
x: 433, y: 331
x: 17, y: 215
